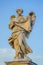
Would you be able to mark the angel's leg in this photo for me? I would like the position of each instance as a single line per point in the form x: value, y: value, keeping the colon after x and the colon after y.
x: 21, y: 43
x: 26, y: 45
x: 17, y: 48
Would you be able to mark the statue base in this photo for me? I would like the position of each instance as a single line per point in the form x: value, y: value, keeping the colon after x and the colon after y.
x: 20, y: 63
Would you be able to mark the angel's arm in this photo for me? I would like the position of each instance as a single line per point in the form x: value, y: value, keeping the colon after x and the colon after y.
x: 12, y: 21
x: 11, y: 25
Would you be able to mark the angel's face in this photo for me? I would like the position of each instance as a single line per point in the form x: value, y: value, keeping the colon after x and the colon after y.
x: 19, y: 12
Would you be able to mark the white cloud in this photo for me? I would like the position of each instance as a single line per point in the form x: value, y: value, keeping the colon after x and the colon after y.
x: 8, y: 54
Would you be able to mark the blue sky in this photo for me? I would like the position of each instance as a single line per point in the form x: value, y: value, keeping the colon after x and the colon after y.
x: 8, y: 8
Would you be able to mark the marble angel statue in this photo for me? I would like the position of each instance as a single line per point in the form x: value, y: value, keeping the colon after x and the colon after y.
x: 21, y: 27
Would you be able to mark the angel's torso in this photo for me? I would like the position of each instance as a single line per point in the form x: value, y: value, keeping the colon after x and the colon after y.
x: 20, y: 21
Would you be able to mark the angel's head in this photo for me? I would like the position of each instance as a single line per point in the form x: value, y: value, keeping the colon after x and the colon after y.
x: 19, y: 11
x: 12, y: 18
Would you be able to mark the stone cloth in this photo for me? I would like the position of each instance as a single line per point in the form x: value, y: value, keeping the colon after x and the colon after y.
x: 18, y: 42
x: 17, y: 39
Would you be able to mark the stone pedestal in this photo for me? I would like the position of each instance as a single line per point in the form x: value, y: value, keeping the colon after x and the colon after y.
x: 20, y: 63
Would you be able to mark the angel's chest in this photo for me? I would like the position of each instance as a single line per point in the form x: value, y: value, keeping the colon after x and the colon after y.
x: 20, y: 19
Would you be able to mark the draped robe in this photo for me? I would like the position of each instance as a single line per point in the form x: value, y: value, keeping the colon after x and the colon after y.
x: 19, y: 27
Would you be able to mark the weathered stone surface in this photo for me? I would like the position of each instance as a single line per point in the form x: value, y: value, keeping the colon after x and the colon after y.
x: 21, y: 26
x: 20, y: 63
